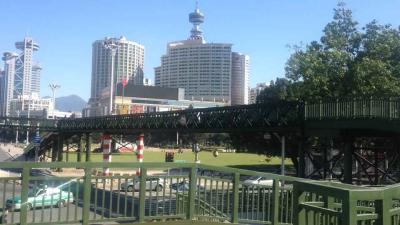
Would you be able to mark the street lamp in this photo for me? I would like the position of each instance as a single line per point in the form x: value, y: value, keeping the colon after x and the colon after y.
x: 29, y: 106
x: 53, y: 88
x: 112, y: 45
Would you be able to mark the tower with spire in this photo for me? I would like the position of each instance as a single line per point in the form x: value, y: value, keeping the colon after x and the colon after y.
x: 207, y: 71
x: 196, y: 18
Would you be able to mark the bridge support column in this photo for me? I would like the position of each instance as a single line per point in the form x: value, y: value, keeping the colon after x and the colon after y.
x: 79, y: 152
x: 348, y: 161
x: 140, y: 150
x: 106, y: 152
x: 60, y: 145
x: 88, y: 146
x: 301, y: 170
x: 54, y: 150
x: 67, y: 152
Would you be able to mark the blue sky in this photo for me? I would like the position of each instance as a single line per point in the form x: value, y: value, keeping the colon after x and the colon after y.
x: 65, y: 30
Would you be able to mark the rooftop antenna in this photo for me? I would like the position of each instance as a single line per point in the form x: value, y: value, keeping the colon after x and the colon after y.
x: 196, y: 18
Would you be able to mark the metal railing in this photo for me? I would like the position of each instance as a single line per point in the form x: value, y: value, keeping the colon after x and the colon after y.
x: 280, y: 114
x: 82, y: 194
x: 372, y: 108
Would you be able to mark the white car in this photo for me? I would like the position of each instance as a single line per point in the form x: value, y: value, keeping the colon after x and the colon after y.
x: 152, y: 183
x: 260, y: 181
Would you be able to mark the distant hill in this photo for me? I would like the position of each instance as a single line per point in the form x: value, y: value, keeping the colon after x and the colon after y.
x: 71, y: 103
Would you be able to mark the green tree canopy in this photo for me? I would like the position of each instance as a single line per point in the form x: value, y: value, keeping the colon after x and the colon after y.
x: 346, y: 62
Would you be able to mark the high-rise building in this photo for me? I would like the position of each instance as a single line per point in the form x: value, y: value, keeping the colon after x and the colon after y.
x: 21, y: 76
x: 35, y: 79
x: 128, y: 65
x: 240, y: 79
x: 2, y: 91
x: 254, y: 92
x: 203, y: 69
x: 23, y: 67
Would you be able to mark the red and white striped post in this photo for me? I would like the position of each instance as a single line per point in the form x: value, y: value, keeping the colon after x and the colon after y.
x: 106, y: 152
x: 140, y: 149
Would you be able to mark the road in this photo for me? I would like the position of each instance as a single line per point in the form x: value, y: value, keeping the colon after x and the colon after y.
x: 104, y: 205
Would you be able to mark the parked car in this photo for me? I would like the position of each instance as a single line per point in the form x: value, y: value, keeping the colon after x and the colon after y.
x: 41, y: 198
x: 152, y: 183
x: 260, y: 181
x: 184, y: 186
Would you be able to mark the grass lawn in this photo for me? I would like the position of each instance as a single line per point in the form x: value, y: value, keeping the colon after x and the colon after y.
x: 224, y: 159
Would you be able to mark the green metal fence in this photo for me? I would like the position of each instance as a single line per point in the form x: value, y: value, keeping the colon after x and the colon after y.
x: 81, y: 194
x: 373, y: 108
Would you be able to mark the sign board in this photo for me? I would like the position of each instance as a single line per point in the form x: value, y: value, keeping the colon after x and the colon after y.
x: 36, y: 140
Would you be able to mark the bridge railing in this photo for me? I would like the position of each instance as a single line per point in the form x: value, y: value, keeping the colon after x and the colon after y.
x: 353, y: 109
x: 27, y: 123
x: 317, y: 203
x: 82, y: 194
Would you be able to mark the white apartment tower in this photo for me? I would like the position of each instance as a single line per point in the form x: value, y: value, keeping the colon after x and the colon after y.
x: 240, y: 79
x: 21, y: 74
x: 203, y: 69
x: 128, y: 65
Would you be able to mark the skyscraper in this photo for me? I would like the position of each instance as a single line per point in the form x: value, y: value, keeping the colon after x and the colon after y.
x: 240, y: 79
x: 128, y: 65
x: 23, y: 67
x: 2, y: 91
x: 21, y: 76
x: 35, y: 78
x: 203, y: 69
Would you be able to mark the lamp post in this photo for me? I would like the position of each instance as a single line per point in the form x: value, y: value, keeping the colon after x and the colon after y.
x: 53, y: 88
x: 16, y: 135
x: 112, y: 45
x: 29, y: 113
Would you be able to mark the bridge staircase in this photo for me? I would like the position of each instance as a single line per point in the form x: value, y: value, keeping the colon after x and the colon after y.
x: 46, y: 141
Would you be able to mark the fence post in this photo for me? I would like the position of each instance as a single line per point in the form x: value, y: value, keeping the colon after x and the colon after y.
x: 305, y: 111
x: 299, y: 216
x: 337, y: 109
x: 192, y: 192
x: 24, y: 195
x: 382, y: 209
x: 275, y: 203
x: 235, y: 213
x: 370, y: 107
x: 142, y: 194
x: 320, y: 109
x: 349, y: 209
x: 87, y: 188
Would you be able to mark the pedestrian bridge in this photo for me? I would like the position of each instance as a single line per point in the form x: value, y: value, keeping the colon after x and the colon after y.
x: 180, y: 193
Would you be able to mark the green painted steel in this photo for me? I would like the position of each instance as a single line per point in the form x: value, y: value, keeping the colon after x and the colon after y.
x: 276, y: 116
x: 187, y: 193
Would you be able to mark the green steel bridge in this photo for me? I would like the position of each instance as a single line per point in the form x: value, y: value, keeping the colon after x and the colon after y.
x: 212, y: 195
x: 342, y: 122
x: 200, y: 194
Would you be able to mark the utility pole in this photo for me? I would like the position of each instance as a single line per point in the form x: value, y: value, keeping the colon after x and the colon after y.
x: 53, y: 88
x: 112, y: 45
x: 29, y: 112
x: 16, y: 136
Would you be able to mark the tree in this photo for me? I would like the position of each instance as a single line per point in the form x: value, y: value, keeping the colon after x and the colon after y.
x: 347, y: 62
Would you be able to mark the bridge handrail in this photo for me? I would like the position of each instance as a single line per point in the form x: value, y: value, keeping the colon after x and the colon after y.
x: 358, y: 108
x: 223, y: 198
